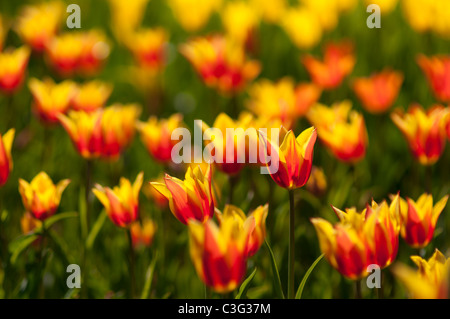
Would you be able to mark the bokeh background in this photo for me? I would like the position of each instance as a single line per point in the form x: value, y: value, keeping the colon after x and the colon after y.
x: 387, y: 168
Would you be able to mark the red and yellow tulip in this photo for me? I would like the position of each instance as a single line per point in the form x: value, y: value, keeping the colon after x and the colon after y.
x: 258, y: 215
x: 341, y: 129
x: 430, y: 280
x: 191, y: 198
x: 295, y: 156
x: 41, y: 197
x: 424, y: 131
x: 338, y: 62
x: 221, y: 63
x: 37, y: 25
x: 122, y: 202
x: 282, y: 100
x: 378, y: 92
x: 157, y: 136
x: 149, y: 48
x: 199, y: 12
x: 437, y: 71
x: 51, y: 99
x: 143, y: 234
x: 344, y: 244
x: 91, y: 96
x: 219, y: 253
x: 6, y: 162
x: 13, y: 63
x: 418, y: 219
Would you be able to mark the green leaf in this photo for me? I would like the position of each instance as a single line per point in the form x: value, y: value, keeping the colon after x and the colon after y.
x: 82, y: 207
x: 244, y: 287
x: 298, y: 295
x: 149, y: 278
x: 20, y: 244
x: 96, y: 229
x: 276, y: 275
x: 55, y: 218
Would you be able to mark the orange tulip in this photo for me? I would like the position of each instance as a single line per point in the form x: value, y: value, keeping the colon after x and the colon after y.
x: 221, y: 63
x: 28, y: 223
x: 437, y: 71
x: 143, y: 234
x: 149, y: 47
x: 282, y: 100
x: 91, y: 96
x: 41, y: 197
x: 424, y: 131
x: 378, y: 92
x: 157, y: 136
x: 338, y: 62
x: 6, y: 163
x: 122, y: 202
x: 191, y: 198
x: 317, y: 182
x: 219, y: 253
x: 13, y: 63
x: 294, y: 156
x: 418, y: 219
x: 342, y: 130
x: 51, y: 99
x: 37, y: 25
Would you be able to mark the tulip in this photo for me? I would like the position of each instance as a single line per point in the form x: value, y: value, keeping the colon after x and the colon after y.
x: 41, y: 197
x: 143, y: 234
x: 219, y: 253
x: 378, y: 92
x: 342, y: 130
x: 95, y: 50
x: 294, y: 156
x: 149, y: 48
x: 418, y: 219
x: 424, y: 131
x: 271, y: 11
x: 91, y: 96
x: 3, y: 31
x: 85, y: 131
x: 282, y: 100
x: 381, y: 227
x: 338, y: 62
x: 12, y: 68
x: 259, y: 215
x: 428, y: 16
x: 122, y: 202
x: 326, y: 11
x: 317, y: 182
x: 437, y: 71
x: 191, y: 198
x: 6, y: 162
x: 301, y: 18
x: 37, y: 25
x: 51, y: 99
x: 240, y: 21
x: 157, y: 136
x: 126, y: 17
x: 343, y: 244
x: 103, y: 133
x: 199, y: 12
x: 430, y: 281
x: 221, y: 63
x: 28, y: 223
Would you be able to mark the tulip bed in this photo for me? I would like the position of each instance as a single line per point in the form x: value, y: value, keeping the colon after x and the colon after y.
x: 93, y: 204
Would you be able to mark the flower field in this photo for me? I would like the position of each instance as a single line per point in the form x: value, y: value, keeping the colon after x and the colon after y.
x: 214, y: 149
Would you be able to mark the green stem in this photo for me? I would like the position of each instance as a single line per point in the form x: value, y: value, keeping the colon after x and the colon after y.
x: 291, y: 261
x: 380, y: 293
x: 358, y: 294
x: 41, y: 288
x: 132, y: 265
x: 84, y: 220
x: 429, y: 179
